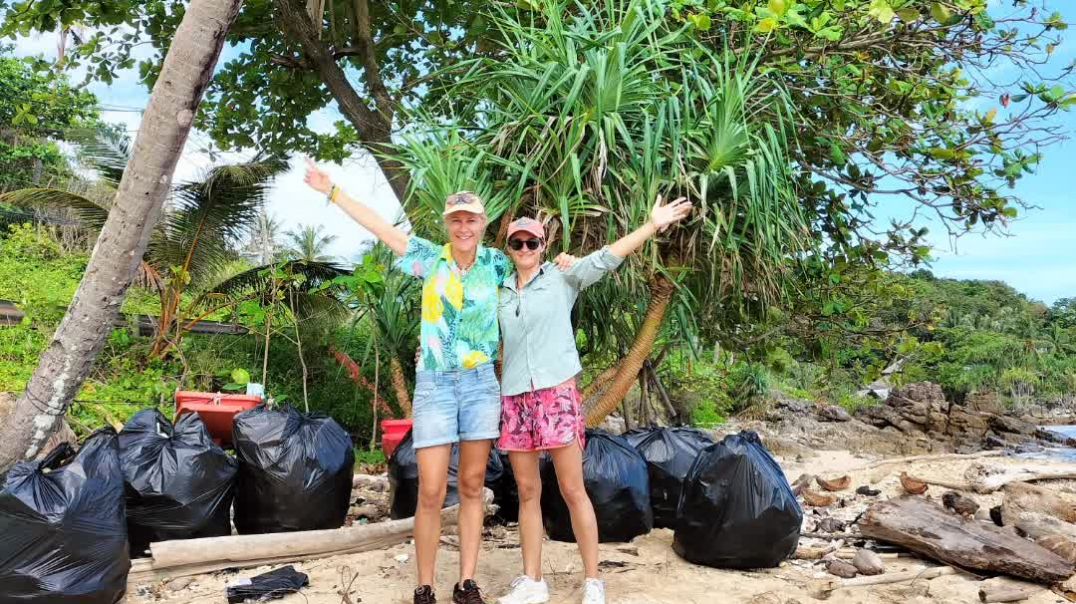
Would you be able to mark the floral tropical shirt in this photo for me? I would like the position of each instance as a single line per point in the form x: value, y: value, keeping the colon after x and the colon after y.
x: 459, y: 315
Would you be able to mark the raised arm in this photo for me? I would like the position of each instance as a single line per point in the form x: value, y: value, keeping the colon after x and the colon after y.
x: 584, y: 272
x: 661, y: 217
x: 359, y: 212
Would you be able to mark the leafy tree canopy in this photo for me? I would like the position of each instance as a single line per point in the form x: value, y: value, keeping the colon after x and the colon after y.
x: 38, y: 106
x: 943, y: 104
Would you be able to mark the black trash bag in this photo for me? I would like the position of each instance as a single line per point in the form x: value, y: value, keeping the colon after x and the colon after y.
x: 635, y: 435
x: 295, y: 471
x: 618, y: 485
x: 63, y: 535
x: 272, y: 585
x: 669, y: 454
x: 403, y: 478
x: 737, y: 509
x: 179, y: 483
x: 505, y: 491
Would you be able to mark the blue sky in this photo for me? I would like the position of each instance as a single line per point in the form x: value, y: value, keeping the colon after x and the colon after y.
x: 1037, y: 254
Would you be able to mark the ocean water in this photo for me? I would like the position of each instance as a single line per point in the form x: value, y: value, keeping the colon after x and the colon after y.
x: 1056, y: 452
x: 1069, y: 431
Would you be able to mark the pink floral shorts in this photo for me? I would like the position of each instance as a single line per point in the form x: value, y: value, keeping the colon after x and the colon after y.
x: 548, y: 418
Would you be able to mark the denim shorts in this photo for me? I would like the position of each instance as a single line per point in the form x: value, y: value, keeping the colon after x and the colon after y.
x: 451, y: 406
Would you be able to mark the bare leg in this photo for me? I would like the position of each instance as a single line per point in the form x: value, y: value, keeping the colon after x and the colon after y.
x: 531, y: 533
x: 472, y: 477
x: 432, y: 484
x: 569, y: 464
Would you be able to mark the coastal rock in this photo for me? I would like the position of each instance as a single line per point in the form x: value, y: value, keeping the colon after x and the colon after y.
x: 841, y: 569
x: 868, y: 562
x: 833, y: 413
x: 1012, y: 425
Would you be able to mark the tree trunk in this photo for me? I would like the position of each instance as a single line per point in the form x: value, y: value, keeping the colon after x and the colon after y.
x: 598, y: 383
x: 374, y: 127
x: 399, y: 384
x: 661, y: 293
x: 166, y: 123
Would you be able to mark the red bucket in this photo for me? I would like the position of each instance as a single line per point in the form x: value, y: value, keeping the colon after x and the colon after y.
x: 218, y: 410
x: 393, y: 432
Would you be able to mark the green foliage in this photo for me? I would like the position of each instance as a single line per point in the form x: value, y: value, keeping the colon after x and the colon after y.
x: 364, y: 458
x: 36, y: 276
x: 748, y: 385
x: 892, y: 97
x: 37, y: 107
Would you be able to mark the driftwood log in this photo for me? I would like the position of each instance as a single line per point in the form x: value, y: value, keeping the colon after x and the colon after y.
x: 924, y: 527
x: 184, y: 557
x: 1021, y: 497
x: 985, y: 479
x: 822, y: 589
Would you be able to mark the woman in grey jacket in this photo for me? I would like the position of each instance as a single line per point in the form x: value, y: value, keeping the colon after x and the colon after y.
x: 540, y: 401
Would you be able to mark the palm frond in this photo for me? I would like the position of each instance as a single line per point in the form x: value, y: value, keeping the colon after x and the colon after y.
x: 87, y: 211
x: 104, y: 152
x: 209, y: 217
x: 258, y: 279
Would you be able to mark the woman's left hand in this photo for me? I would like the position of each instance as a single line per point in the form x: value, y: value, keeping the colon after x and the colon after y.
x: 663, y: 215
x: 565, y: 261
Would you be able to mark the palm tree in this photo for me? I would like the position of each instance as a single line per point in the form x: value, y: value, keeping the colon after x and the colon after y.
x: 263, y: 246
x: 192, y: 246
x: 591, y: 113
x: 309, y: 244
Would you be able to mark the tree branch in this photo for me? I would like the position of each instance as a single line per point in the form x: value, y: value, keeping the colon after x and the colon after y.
x: 368, y: 54
x: 374, y: 127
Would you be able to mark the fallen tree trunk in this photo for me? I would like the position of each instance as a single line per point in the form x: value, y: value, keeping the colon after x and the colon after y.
x: 925, y: 527
x: 986, y: 479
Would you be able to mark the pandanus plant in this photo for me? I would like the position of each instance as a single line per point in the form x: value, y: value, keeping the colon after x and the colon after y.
x: 592, y: 111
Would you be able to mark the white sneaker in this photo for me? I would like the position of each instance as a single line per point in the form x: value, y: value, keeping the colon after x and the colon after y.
x: 526, y: 590
x: 594, y: 592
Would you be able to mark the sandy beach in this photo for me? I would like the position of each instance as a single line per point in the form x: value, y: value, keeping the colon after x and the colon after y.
x: 645, y: 571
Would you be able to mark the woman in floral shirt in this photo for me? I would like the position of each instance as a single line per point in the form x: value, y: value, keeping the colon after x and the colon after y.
x: 457, y: 396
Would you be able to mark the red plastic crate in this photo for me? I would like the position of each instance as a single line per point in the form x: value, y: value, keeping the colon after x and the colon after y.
x: 393, y: 432
x: 218, y: 410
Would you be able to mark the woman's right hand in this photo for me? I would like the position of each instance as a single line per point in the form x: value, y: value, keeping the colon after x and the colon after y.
x: 317, y: 179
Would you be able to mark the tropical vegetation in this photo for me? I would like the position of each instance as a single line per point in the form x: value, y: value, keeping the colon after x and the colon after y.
x: 786, y: 122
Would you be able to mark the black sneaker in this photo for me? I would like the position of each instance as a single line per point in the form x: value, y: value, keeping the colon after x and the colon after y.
x: 424, y: 595
x: 467, y: 593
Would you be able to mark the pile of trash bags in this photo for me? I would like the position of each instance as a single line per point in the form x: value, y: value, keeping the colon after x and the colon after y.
x: 617, y: 481
x: 669, y: 454
x: 737, y: 510
x: 403, y: 478
x: 179, y: 483
x: 63, y: 531
x: 295, y: 471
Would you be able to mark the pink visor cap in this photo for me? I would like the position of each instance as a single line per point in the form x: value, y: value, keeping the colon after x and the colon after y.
x: 526, y: 225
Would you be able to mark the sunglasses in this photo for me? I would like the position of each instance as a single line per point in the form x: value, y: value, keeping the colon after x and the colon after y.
x: 458, y: 199
x: 517, y: 244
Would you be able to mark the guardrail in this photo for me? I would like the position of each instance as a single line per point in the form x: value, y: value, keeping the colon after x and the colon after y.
x: 143, y: 325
